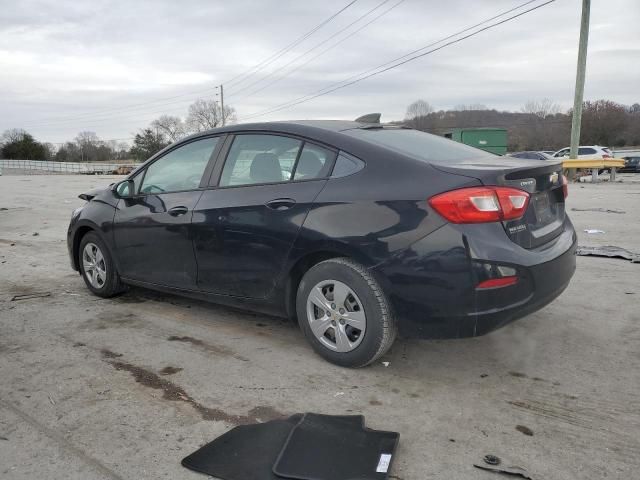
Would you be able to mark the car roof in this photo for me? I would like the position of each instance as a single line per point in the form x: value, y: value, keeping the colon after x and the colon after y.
x: 292, y: 126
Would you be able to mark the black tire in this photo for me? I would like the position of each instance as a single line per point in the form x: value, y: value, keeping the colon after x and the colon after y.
x: 380, y: 330
x: 111, y: 284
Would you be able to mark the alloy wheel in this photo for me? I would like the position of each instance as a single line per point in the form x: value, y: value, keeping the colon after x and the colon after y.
x: 94, y: 265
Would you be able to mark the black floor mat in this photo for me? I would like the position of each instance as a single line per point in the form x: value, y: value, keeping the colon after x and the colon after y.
x: 248, y: 452
x: 323, y: 447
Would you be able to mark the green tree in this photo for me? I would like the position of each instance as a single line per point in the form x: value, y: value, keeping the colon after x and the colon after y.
x: 147, y: 143
x: 21, y: 145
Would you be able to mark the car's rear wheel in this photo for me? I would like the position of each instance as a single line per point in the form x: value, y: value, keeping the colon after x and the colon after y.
x: 97, y: 267
x: 344, y: 313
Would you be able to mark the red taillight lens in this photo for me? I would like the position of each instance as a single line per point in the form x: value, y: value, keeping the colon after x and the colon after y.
x: 606, y: 155
x: 497, y: 283
x: 481, y: 204
x: 565, y: 186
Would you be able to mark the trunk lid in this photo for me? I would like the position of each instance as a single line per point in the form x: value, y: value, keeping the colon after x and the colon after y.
x: 545, y: 215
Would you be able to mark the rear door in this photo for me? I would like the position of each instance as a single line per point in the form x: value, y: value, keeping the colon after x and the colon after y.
x: 245, y: 224
x: 152, y: 229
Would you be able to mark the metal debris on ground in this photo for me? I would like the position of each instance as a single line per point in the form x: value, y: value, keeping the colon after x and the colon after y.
x: 603, y: 210
x: 594, y: 231
x: 493, y: 463
x: 610, y: 251
x: 29, y: 296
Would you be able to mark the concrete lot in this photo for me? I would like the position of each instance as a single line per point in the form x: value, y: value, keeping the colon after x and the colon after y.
x: 125, y: 388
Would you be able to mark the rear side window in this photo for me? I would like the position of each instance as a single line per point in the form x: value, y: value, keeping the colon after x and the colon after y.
x: 257, y: 159
x: 419, y: 145
x: 346, y: 165
x: 313, y: 162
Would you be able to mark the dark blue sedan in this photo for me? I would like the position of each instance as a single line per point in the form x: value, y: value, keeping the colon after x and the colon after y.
x: 359, y: 230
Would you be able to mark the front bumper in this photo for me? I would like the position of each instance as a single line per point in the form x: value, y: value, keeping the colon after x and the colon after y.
x: 432, y: 288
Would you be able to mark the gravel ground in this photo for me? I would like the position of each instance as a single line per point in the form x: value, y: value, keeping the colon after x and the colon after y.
x: 124, y: 388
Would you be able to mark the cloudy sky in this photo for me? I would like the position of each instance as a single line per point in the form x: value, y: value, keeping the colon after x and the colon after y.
x: 113, y: 66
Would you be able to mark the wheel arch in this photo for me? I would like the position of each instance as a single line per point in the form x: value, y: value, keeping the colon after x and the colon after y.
x: 80, y: 231
x: 303, y: 263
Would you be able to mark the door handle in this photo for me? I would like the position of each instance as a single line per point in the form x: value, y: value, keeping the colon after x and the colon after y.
x: 280, y: 204
x: 177, y: 211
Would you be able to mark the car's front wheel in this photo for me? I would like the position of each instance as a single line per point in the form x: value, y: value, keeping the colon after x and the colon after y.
x: 97, y: 267
x: 344, y: 313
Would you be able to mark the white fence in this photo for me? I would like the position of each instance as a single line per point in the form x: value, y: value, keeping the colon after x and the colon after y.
x: 47, y: 167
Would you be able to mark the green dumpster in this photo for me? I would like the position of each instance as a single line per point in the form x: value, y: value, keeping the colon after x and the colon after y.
x: 492, y: 140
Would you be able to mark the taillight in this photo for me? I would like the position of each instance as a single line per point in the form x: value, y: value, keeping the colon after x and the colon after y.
x: 565, y: 186
x: 606, y: 155
x: 481, y: 204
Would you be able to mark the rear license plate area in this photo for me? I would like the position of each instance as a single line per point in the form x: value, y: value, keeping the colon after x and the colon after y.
x: 542, y: 207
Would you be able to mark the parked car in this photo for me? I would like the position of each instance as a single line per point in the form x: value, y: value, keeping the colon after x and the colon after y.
x: 374, y: 230
x: 631, y: 165
x: 531, y: 155
x: 590, y: 152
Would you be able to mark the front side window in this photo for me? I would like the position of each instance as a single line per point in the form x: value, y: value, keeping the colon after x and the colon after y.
x: 180, y: 169
x: 255, y: 159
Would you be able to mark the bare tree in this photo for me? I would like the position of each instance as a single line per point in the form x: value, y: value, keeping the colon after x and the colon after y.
x: 207, y: 114
x: 88, y: 143
x: 604, y: 123
x: 470, y: 107
x: 419, y: 108
x: 541, y: 108
x: 12, y: 135
x: 173, y: 127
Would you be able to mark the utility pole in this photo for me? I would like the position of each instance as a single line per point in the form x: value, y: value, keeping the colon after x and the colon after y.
x: 222, y: 103
x: 580, y: 74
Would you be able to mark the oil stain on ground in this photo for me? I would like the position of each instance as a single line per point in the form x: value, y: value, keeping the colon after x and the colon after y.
x: 215, y: 349
x: 175, y: 393
x: 170, y: 370
x: 525, y: 430
x: 107, y: 320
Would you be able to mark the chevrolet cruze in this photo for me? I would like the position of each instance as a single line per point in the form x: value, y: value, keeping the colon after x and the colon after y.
x: 358, y: 230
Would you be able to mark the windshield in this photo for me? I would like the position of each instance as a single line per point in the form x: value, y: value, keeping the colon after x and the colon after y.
x: 419, y: 145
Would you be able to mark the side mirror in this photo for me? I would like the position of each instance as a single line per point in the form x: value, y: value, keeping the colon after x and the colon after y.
x: 125, y: 188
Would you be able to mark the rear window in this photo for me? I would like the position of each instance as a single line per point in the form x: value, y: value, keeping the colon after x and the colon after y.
x: 419, y: 145
x: 586, y: 151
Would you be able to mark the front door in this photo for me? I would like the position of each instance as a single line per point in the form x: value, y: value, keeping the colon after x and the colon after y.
x: 152, y: 228
x: 244, y: 229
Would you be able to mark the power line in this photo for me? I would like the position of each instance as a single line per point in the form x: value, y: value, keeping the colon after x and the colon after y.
x: 280, y: 53
x: 111, y: 110
x: 399, y: 60
x: 121, y: 109
x: 270, y: 74
x: 323, y: 51
x: 102, y: 120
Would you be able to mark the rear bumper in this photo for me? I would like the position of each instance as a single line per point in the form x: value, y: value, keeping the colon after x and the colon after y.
x: 433, y: 293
